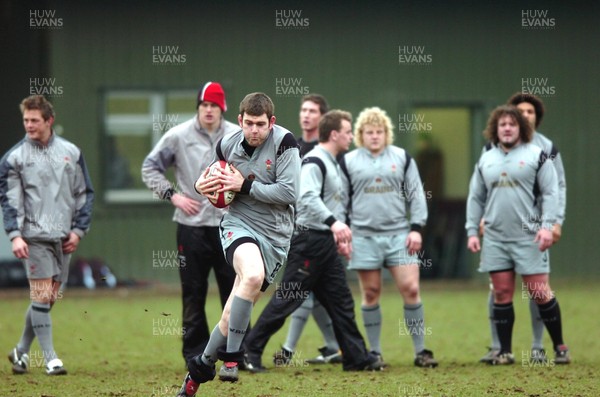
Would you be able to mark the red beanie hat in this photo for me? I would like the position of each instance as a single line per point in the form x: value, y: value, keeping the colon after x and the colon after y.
x: 213, y: 92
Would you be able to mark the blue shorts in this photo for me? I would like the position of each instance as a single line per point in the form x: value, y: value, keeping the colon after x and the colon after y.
x: 376, y: 252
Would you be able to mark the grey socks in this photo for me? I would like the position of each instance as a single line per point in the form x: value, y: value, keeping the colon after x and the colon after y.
x: 42, y: 327
x: 415, y: 322
x: 217, y: 339
x: 325, y: 325
x: 372, y: 322
x: 239, y: 318
x: 28, y: 335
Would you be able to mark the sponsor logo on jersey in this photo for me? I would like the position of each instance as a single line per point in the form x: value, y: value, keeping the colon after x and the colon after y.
x: 379, y: 189
x: 506, y: 184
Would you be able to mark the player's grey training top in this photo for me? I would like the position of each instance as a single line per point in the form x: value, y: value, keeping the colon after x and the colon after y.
x: 189, y: 149
x: 552, y: 153
x: 515, y: 192
x: 382, y: 195
x: 320, y: 202
x: 272, y: 173
x: 45, y: 191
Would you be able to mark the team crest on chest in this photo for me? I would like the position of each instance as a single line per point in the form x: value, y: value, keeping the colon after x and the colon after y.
x: 268, y: 164
x: 393, y: 167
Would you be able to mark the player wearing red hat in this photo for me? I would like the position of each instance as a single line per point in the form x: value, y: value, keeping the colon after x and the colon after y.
x: 188, y: 148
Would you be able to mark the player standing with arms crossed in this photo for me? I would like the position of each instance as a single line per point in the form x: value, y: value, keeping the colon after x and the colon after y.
x: 532, y: 108
x: 515, y: 189
x: 256, y: 230
x: 189, y: 147
x: 46, y: 196
x: 380, y: 175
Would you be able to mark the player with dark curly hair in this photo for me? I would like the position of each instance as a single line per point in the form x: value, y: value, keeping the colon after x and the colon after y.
x: 514, y: 188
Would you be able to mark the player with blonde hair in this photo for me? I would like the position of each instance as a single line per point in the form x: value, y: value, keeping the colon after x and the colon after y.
x: 381, y: 175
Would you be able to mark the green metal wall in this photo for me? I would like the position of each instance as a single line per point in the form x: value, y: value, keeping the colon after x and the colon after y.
x: 350, y: 53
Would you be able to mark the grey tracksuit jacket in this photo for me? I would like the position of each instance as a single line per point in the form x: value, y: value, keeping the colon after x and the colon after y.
x: 45, y: 191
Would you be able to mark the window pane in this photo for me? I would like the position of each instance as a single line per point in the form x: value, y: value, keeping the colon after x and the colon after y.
x: 181, y: 102
x: 124, y: 160
x: 127, y: 104
x: 134, y: 121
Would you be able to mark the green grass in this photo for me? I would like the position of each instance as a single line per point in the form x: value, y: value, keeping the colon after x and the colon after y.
x: 112, y: 345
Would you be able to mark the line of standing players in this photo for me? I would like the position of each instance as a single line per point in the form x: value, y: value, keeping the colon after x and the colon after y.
x: 334, y: 201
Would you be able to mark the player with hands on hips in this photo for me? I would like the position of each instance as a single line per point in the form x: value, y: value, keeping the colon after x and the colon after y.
x: 188, y: 148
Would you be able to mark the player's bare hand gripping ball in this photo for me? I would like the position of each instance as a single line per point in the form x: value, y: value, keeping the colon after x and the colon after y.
x: 206, y: 185
x: 231, y: 180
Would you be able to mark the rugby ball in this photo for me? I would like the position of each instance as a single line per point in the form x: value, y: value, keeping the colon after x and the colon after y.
x: 220, y: 200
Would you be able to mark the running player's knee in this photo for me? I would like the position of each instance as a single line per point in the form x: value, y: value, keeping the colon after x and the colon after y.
x: 253, y: 281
